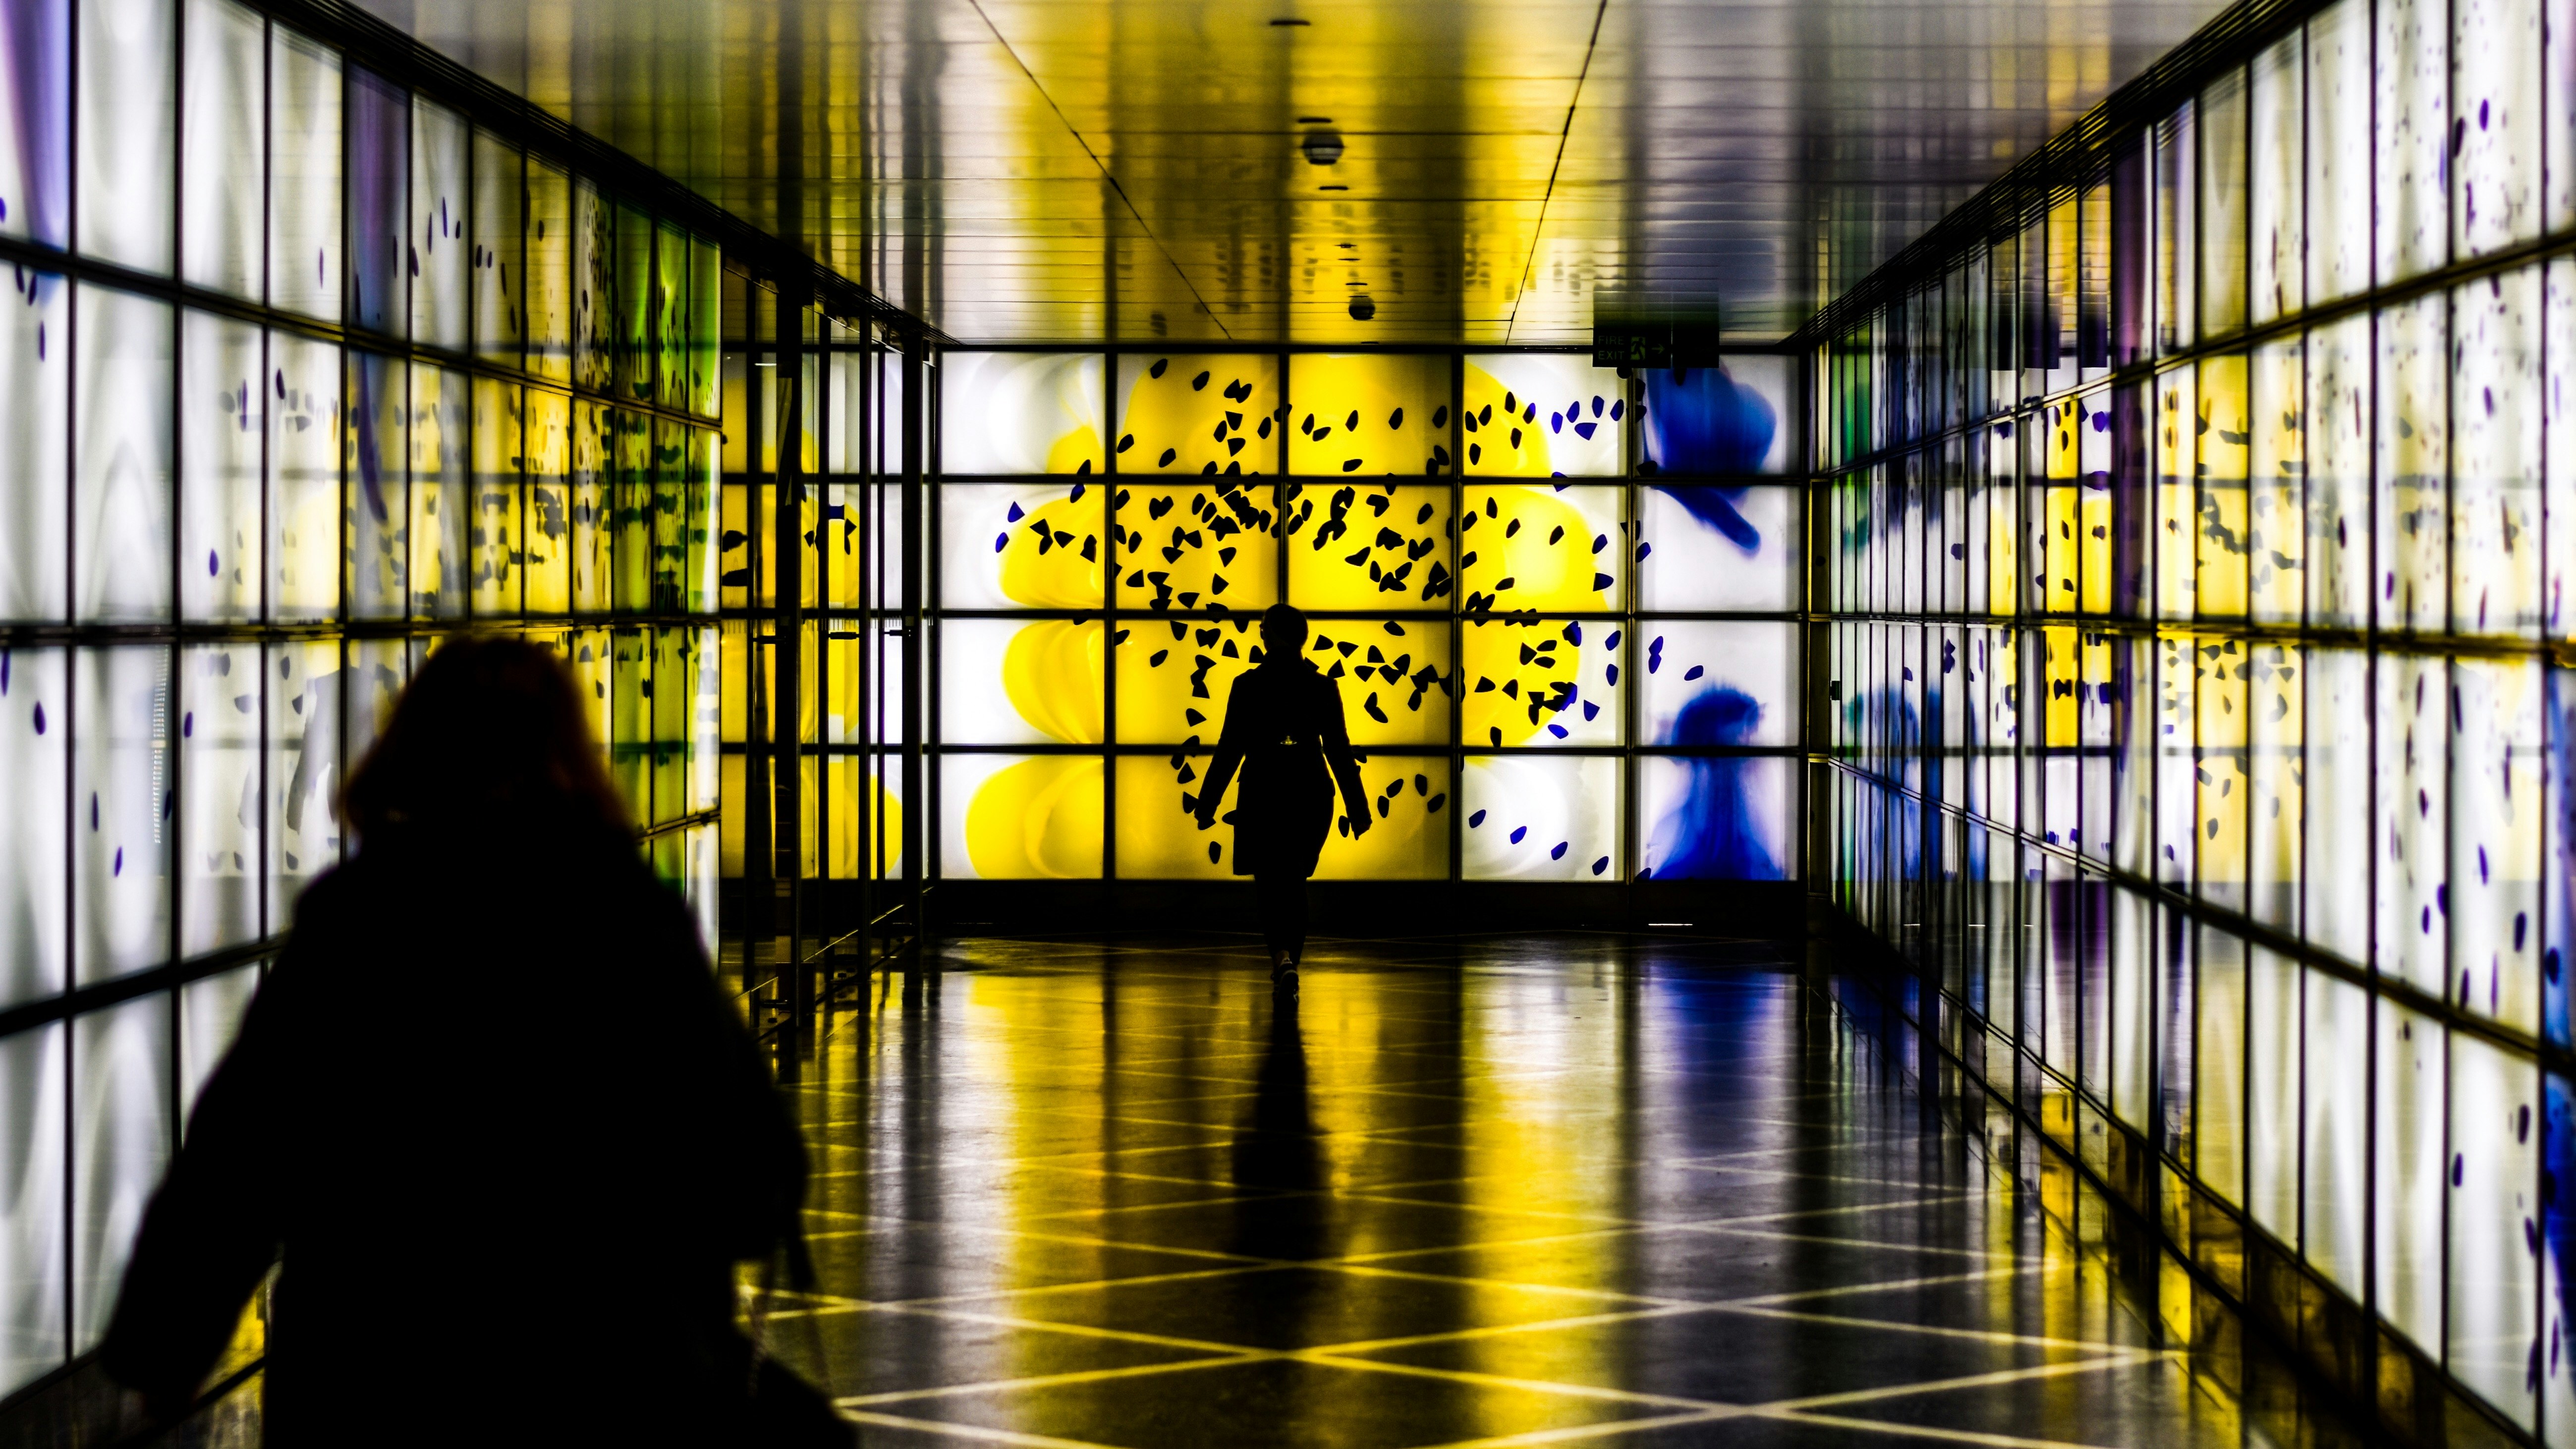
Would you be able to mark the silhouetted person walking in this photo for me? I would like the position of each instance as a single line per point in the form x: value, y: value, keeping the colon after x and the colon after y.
x: 1283, y: 729
x: 494, y: 1112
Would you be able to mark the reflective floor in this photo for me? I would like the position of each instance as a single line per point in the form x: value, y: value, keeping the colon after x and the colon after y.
x: 1567, y: 1190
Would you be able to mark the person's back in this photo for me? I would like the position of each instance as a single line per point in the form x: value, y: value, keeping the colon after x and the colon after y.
x: 493, y: 1109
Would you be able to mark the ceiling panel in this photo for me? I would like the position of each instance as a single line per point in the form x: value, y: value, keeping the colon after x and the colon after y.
x: 1069, y: 170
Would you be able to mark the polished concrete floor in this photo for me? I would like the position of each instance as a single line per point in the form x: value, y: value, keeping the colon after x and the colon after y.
x: 1539, y: 1191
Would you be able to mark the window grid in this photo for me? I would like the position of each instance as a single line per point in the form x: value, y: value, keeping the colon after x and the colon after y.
x: 358, y: 467
x: 1425, y: 501
x: 2215, y: 780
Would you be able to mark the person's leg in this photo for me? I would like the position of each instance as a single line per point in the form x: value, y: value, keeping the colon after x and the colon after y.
x: 1271, y: 904
x: 1292, y: 917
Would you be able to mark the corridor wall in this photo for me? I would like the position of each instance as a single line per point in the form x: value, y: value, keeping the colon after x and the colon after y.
x: 2201, y: 532
x: 1559, y: 601
x: 300, y: 373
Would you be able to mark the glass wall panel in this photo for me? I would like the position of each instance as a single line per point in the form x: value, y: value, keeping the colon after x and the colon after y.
x: 2329, y: 767
x: 122, y: 500
x: 127, y: 141
x: 223, y: 170
x: 164, y: 795
x: 437, y: 252
x: 304, y: 221
x: 1006, y: 412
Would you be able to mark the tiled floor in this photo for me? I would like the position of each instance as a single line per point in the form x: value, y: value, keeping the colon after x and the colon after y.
x: 1560, y: 1191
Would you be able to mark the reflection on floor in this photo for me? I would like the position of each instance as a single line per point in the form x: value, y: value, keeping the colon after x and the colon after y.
x: 1575, y: 1190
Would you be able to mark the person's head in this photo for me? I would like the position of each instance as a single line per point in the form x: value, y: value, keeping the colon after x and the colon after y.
x: 490, y: 735
x: 1283, y: 631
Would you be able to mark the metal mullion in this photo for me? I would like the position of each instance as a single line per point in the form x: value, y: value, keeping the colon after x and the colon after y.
x: 69, y: 1258
x: 1634, y: 766
x: 871, y: 703
x: 1457, y: 692
x: 1109, y: 628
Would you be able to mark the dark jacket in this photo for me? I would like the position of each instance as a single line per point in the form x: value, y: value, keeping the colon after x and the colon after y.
x: 510, y: 1138
x: 1283, y: 727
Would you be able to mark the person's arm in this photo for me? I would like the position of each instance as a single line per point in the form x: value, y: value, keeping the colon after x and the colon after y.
x: 1229, y: 755
x: 214, y: 1226
x: 1335, y: 736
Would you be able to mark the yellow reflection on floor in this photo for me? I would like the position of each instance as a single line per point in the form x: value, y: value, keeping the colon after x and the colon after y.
x: 1078, y: 1192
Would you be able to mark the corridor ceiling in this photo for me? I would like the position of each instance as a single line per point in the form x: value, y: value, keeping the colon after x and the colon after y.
x: 1090, y: 170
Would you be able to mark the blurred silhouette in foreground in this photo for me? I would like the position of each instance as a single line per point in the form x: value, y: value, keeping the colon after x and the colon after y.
x: 1284, y: 730
x: 494, y: 1112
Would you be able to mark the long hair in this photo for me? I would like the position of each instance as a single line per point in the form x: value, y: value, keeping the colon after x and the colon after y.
x: 491, y: 735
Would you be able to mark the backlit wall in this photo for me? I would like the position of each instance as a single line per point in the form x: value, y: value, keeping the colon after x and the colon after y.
x: 298, y: 373
x: 2201, y: 557
x: 1556, y: 600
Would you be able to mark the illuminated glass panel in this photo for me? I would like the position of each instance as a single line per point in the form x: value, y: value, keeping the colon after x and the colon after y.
x: 218, y: 816
x: 304, y: 477
x: 122, y: 740
x: 35, y: 378
x: 1541, y: 817
x: 222, y: 412
x: 1206, y: 544
x: 1366, y: 546
x: 122, y: 464
x: 1556, y: 416
x: 1541, y: 682
x: 127, y: 101
x: 494, y: 533
x: 224, y: 171
x: 441, y: 499
x: 1158, y: 834
x: 1410, y: 794
x: 122, y: 1132
x: 1733, y: 418
x: 1714, y: 683
x: 630, y: 510
x: 436, y: 250
x: 1393, y: 676
x: 593, y: 445
x: 1712, y: 547
x: 1005, y: 681
x: 379, y: 182
x: 867, y: 820
x: 34, y: 1163
x: 378, y: 479
x: 547, y: 533
x: 1173, y: 679
x: 1021, y: 412
x: 1185, y: 414
x: 1556, y: 548
x: 2414, y: 133
x: 304, y: 241
x: 1716, y: 817
x: 1023, y: 545
x: 544, y: 238
x: 35, y: 783
x: 1020, y: 817
x: 593, y: 296
x: 1371, y: 413
x: 35, y: 125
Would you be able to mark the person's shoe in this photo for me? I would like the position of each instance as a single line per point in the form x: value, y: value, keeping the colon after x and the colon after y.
x: 1283, y: 982
x: 1280, y: 966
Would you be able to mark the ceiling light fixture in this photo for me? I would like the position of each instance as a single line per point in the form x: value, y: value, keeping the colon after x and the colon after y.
x: 1322, y: 148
